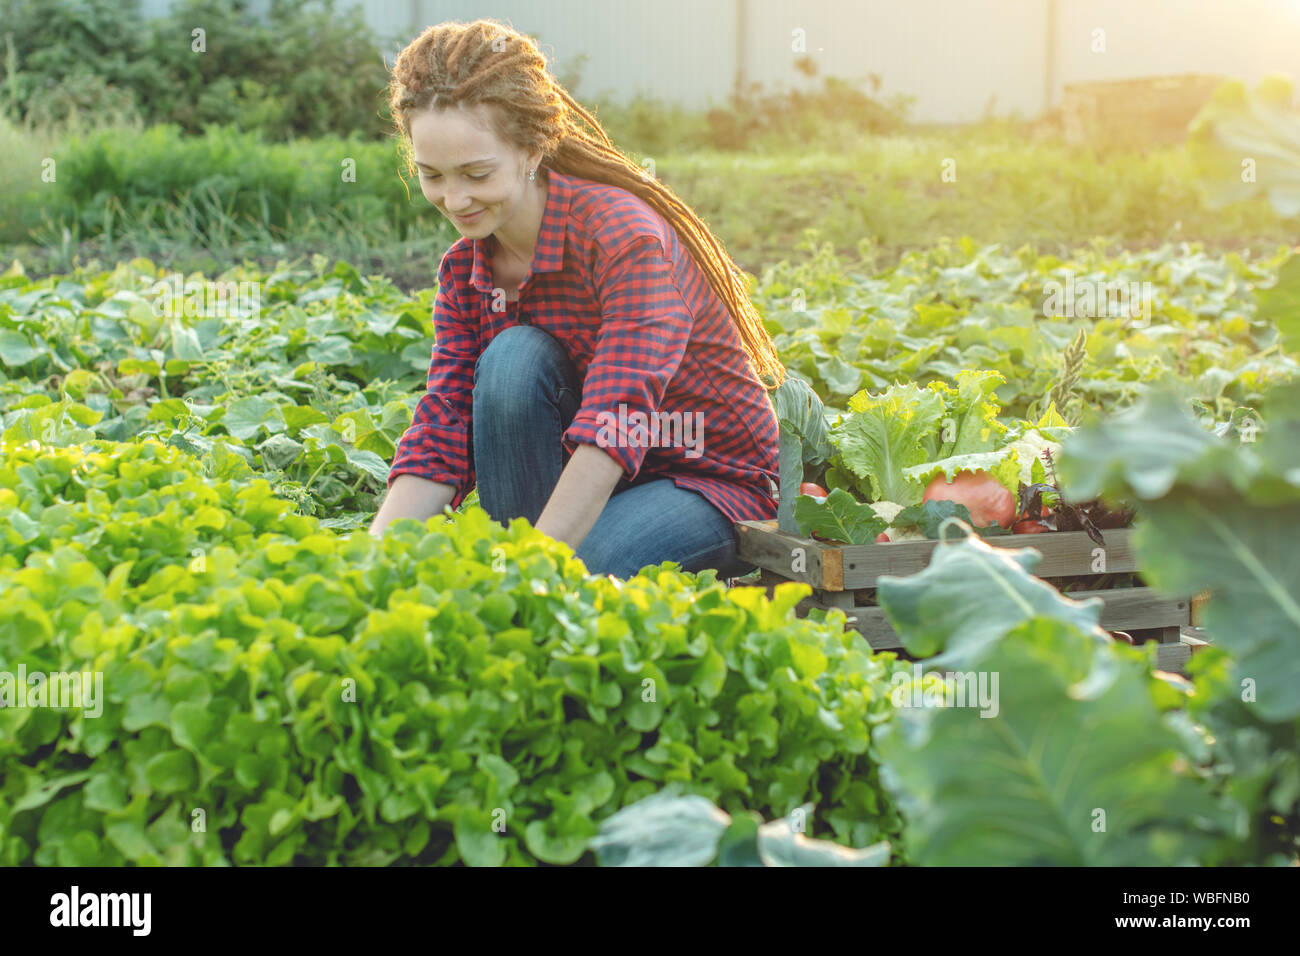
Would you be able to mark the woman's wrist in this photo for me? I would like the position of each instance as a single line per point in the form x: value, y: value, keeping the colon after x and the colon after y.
x: 411, y: 496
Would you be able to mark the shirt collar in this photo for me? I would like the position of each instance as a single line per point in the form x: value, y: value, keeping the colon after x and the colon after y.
x: 548, y: 255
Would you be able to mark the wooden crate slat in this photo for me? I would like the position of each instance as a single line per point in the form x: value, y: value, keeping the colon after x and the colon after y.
x: 1138, y: 608
x: 761, y: 544
x: 1124, y: 609
x: 1173, y: 656
x: 835, y: 571
x: 875, y: 628
x: 1176, y: 644
x: 852, y: 566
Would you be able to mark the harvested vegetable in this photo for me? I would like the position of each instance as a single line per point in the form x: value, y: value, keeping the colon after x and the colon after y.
x: 987, y: 499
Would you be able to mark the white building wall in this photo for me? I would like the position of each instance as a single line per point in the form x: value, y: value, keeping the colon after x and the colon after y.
x: 958, y: 58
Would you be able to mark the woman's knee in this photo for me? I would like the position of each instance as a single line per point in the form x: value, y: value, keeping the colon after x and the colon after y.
x: 514, y: 361
x: 516, y: 346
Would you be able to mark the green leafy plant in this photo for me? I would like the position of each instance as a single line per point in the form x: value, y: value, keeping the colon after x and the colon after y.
x: 668, y: 829
x: 453, y: 692
x: 1212, y: 329
x: 1074, y: 767
x: 1220, y: 513
x: 311, y: 390
x: 1087, y: 755
x: 1260, y: 130
x: 801, y: 418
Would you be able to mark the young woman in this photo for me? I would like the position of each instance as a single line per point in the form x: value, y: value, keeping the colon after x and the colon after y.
x: 597, y: 360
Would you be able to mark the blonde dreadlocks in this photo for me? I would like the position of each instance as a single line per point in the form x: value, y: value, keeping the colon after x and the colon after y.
x: 487, y: 62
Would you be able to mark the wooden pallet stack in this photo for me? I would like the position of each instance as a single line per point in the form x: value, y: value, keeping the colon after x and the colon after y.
x: 839, y: 573
x: 1148, y: 111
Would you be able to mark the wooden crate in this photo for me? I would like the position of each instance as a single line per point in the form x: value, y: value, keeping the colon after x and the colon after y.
x: 1151, y: 110
x: 837, y: 571
x: 1173, y: 655
x: 848, y: 567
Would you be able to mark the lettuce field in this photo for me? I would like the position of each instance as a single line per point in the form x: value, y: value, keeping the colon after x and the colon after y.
x: 189, y: 465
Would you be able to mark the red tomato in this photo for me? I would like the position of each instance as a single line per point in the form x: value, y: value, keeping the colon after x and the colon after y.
x: 1028, y: 526
x: 987, y: 499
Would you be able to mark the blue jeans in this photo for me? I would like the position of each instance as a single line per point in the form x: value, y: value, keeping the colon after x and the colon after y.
x: 526, y: 392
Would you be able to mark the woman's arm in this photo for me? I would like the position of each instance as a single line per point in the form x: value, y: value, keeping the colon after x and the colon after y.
x: 580, y: 495
x: 411, y: 497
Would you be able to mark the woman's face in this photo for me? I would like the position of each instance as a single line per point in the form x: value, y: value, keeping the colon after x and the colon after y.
x: 466, y: 170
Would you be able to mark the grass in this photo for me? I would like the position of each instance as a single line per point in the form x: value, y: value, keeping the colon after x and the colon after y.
x: 889, y: 192
x: 872, y: 198
x: 24, y: 150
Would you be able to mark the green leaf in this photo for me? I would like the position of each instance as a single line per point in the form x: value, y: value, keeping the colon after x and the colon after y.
x: 782, y: 843
x: 969, y: 596
x: 15, y: 350
x: 298, y: 417
x: 739, y: 844
x: 279, y: 451
x: 130, y: 839
x: 106, y: 792
x: 245, y: 417
x: 1225, y: 524
x: 970, y: 422
x: 331, y: 350
x: 1146, y: 448
x: 881, y: 436
x: 839, y: 518
x: 560, y: 846
x: 665, y: 829
x: 929, y: 515
x: 1260, y: 125
x: 170, y: 771
x: 841, y: 377
x: 1280, y: 302
x: 1073, y: 769
x: 368, y: 463
x: 185, y: 343
x: 193, y: 725
x: 791, y: 465
x: 168, y: 410
x: 47, y: 791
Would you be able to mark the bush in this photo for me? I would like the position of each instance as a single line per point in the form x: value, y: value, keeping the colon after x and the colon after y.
x: 227, y: 174
x: 304, y: 71
x: 316, y: 699
x: 66, y: 58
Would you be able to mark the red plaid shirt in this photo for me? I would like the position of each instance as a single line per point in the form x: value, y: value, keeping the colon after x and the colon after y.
x: 647, y: 334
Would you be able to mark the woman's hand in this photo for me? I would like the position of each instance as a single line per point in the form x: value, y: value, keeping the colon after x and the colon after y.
x: 411, y: 497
